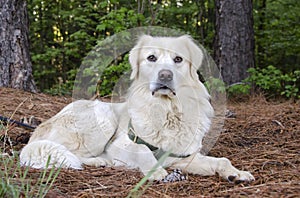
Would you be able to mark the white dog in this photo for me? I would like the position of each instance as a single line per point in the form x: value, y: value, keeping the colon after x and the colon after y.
x: 167, y: 110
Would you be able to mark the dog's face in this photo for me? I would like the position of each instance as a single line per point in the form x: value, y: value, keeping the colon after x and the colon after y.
x: 164, y: 64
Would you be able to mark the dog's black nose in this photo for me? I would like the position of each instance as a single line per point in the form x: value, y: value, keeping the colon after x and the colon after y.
x: 165, y: 75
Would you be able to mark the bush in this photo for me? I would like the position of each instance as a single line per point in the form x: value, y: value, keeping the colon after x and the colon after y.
x: 239, y: 89
x: 274, y: 83
x: 271, y: 81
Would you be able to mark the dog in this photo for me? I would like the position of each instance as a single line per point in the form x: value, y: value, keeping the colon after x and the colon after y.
x: 167, y: 111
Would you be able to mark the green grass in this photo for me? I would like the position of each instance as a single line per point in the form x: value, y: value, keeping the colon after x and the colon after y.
x: 16, y: 181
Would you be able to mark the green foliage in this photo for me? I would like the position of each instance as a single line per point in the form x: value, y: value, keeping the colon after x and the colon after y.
x: 271, y: 81
x: 60, y: 89
x: 274, y: 82
x: 277, y: 33
x: 63, y: 32
x: 239, y: 89
x: 192, y: 17
x: 119, y: 20
x: 268, y: 79
x: 215, y: 84
x: 63, y: 88
x: 291, y: 85
x: 111, y: 76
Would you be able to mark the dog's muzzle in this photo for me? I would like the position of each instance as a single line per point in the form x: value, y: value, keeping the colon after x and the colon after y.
x: 164, y: 83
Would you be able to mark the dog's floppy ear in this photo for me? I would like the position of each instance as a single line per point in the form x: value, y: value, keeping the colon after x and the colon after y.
x: 195, y: 55
x: 134, y: 56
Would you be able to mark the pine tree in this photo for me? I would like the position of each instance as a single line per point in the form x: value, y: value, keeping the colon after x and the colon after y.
x: 15, y: 64
x: 234, y: 39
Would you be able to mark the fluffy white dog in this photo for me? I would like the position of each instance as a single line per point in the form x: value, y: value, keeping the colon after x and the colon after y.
x: 167, y: 110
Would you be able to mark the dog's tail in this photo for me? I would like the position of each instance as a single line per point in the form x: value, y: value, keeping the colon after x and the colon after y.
x: 45, y: 154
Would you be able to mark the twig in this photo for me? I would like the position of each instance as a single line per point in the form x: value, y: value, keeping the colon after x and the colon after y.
x: 279, y: 123
x: 6, y: 131
x: 18, y: 108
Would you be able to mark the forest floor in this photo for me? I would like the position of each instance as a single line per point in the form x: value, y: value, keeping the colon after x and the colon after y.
x: 263, y: 137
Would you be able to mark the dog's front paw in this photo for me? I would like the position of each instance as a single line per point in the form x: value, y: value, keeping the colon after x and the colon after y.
x: 98, y: 162
x: 241, y: 176
x: 95, y: 161
x: 158, y: 175
x: 232, y: 174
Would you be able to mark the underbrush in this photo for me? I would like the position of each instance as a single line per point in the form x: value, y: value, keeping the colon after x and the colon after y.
x: 270, y: 81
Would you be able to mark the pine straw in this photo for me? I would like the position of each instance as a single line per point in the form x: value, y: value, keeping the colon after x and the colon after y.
x: 264, y: 139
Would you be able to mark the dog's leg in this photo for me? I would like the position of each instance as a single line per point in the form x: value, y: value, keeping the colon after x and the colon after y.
x: 205, y: 165
x: 36, y: 154
x: 123, y: 152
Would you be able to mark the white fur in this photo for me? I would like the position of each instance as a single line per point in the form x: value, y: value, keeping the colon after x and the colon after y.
x: 95, y: 133
x: 39, y: 152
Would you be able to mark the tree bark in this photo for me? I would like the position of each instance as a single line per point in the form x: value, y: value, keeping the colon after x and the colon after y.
x: 15, y: 63
x: 234, y: 39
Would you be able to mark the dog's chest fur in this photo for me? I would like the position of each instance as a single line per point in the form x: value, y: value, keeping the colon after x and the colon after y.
x: 165, y: 124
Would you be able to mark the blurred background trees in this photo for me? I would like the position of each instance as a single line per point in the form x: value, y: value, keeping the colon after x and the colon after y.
x: 62, y: 32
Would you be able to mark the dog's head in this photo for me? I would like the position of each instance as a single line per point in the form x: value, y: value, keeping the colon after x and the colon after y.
x: 165, y: 64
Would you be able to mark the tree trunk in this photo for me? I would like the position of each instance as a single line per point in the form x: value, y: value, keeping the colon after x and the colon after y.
x: 234, y: 39
x: 15, y: 63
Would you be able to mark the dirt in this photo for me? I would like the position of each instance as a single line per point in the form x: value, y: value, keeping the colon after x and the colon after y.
x: 262, y: 137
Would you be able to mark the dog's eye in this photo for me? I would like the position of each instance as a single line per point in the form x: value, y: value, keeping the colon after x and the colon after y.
x: 177, y: 59
x: 152, y: 58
